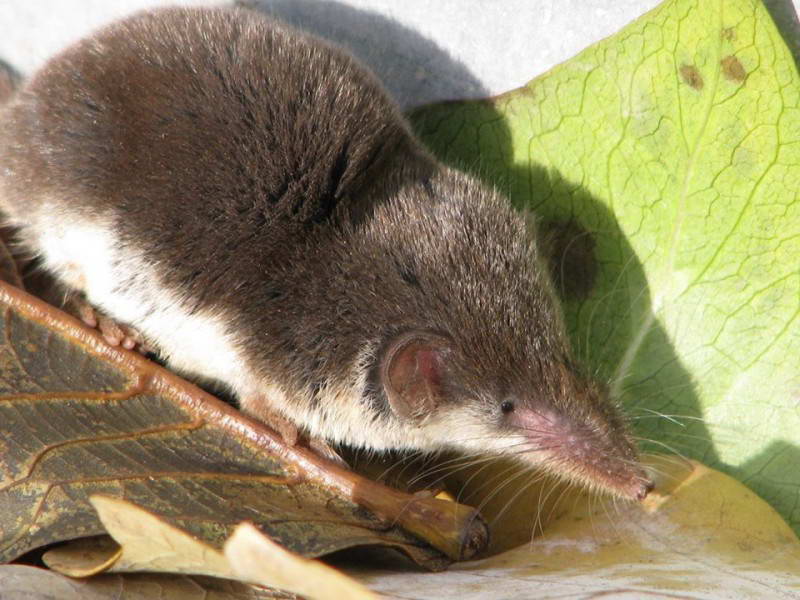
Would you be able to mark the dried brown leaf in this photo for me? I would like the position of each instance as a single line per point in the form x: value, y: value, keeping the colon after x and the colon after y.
x: 78, y: 417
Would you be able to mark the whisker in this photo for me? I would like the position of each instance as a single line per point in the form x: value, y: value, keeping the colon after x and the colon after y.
x: 667, y: 417
x: 565, y: 488
x: 469, y: 479
x: 602, y: 302
x: 618, y: 321
x: 500, y: 488
x: 403, y: 459
x: 663, y: 445
x: 450, y: 469
x: 542, y: 503
x: 514, y: 497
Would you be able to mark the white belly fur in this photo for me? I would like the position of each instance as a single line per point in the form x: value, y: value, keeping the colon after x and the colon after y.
x: 86, y: 256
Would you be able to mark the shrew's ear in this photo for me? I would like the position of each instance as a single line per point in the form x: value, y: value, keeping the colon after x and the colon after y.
x: 412, y: 372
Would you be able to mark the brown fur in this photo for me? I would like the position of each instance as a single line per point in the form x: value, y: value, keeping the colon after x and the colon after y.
x: 268, y: 175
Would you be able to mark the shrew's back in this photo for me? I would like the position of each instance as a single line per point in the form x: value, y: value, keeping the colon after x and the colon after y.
x: 196, y: 131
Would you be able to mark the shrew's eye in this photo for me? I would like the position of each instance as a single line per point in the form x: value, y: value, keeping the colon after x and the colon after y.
x: 507, y: 407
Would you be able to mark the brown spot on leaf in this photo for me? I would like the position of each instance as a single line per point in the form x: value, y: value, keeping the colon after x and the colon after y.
x: 691, y: 75
x: 569, y: 248
x: 729, y: 33
x: 732, y: 69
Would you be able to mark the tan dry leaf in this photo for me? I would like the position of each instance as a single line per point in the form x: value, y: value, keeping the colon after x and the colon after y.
x: 78, y: 418
x: 257, y: 559
x: 148, y: 543
x: 702, y: 534
x: 83, y: 557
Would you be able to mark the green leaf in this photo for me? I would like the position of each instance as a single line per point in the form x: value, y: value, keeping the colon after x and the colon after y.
x: 665, y: 163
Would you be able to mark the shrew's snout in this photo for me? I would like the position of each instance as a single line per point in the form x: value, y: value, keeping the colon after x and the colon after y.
x: 590, y: 451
